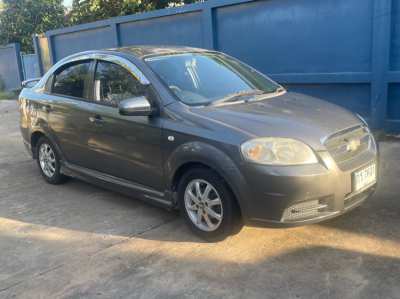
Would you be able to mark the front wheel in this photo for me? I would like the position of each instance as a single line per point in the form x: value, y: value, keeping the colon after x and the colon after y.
x: 207, y: 204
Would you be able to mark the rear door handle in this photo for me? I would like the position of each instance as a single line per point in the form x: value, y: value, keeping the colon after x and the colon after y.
x: 97, y: 119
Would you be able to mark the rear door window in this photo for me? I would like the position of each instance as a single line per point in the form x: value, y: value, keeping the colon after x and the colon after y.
x: 113, y: 83
x: 73, y: 80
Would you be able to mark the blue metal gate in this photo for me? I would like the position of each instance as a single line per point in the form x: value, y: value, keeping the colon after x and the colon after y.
x: 344, y: 51
x: 30, y: 66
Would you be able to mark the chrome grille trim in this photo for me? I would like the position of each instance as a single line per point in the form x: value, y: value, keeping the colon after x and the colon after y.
x: 304, y: 210
x: 338, y: 143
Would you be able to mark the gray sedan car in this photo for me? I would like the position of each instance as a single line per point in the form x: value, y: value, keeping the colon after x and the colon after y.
x: 200, y: 131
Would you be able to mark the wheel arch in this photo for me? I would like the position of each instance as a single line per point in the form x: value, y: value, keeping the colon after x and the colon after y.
x: 35, y: 137
x: 198, y: 154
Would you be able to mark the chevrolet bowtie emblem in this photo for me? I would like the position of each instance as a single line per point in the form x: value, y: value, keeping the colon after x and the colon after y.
x: 352, y: 144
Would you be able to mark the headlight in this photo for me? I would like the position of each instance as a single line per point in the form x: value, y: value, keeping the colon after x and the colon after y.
x: 278, y: 151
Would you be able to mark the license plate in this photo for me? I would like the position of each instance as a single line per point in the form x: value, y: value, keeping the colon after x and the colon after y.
x: 364, y: 177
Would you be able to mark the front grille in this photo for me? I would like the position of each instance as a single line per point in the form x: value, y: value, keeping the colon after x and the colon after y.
x: 348, y: 144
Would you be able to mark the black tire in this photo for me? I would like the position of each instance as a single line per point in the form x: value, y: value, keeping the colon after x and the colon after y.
x: 57, y: 177
x: 231, y: 220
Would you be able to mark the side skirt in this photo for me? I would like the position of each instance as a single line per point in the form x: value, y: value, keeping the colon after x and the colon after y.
x: 117, y: 184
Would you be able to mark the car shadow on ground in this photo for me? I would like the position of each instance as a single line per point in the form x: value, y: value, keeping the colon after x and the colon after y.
x: 118, y: 242
x: 378, y: 216
x: 164, y: 272
x: 80, y: 206
x: 375, y: 218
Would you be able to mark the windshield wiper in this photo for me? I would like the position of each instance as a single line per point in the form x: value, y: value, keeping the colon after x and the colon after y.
x: 237, y: 95
x: 264, y: 95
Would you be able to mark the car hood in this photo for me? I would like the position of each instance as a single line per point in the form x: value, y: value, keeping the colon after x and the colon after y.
x: 290, y: 115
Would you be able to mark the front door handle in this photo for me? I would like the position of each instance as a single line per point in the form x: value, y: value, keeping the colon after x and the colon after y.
x: 97, y: 119
x: 46, y: 108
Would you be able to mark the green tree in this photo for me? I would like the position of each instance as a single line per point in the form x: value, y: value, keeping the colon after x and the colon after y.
x: 20, y: 19
x: 84, y: 11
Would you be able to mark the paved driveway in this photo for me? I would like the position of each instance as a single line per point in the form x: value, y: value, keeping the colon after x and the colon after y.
x: 79, y: 241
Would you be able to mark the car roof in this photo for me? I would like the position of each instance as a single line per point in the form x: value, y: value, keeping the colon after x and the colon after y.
x: 142, y: 52
x: 139, y: 52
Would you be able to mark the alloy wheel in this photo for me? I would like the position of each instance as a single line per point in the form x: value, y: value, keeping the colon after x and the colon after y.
x: 47, y: 160
x: 203, y: 205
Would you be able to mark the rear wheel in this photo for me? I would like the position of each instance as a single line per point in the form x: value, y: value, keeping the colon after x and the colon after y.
x: 207, y: 204
x: 49, y: 162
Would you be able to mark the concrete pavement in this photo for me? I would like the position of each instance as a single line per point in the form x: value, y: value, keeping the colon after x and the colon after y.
x: 79, y: 241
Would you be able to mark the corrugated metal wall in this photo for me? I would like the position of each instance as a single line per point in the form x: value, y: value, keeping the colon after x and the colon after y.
x: 344, y: 51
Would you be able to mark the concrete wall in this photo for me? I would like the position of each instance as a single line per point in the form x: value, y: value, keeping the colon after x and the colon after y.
x: 10, y: 67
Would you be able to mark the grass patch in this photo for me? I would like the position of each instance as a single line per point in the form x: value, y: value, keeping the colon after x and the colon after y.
x: 9, y: 95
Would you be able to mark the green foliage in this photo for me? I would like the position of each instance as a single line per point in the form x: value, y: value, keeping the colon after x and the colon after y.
x: 20, y: 19
x: 84, y: 11
x: 9, y: 95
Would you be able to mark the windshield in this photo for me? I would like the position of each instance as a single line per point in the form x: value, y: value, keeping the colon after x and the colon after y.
x: 207, y: 78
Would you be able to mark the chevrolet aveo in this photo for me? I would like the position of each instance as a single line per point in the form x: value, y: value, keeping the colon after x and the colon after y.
x: 198, y: 131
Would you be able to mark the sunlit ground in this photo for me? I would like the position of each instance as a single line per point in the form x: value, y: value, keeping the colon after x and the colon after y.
x: 78, y: 241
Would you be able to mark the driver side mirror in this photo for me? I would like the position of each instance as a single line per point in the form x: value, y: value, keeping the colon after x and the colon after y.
x: 30, y: 83
x: 137, y: 106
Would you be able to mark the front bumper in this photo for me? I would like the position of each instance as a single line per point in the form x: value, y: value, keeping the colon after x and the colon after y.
x: 297, y: 195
